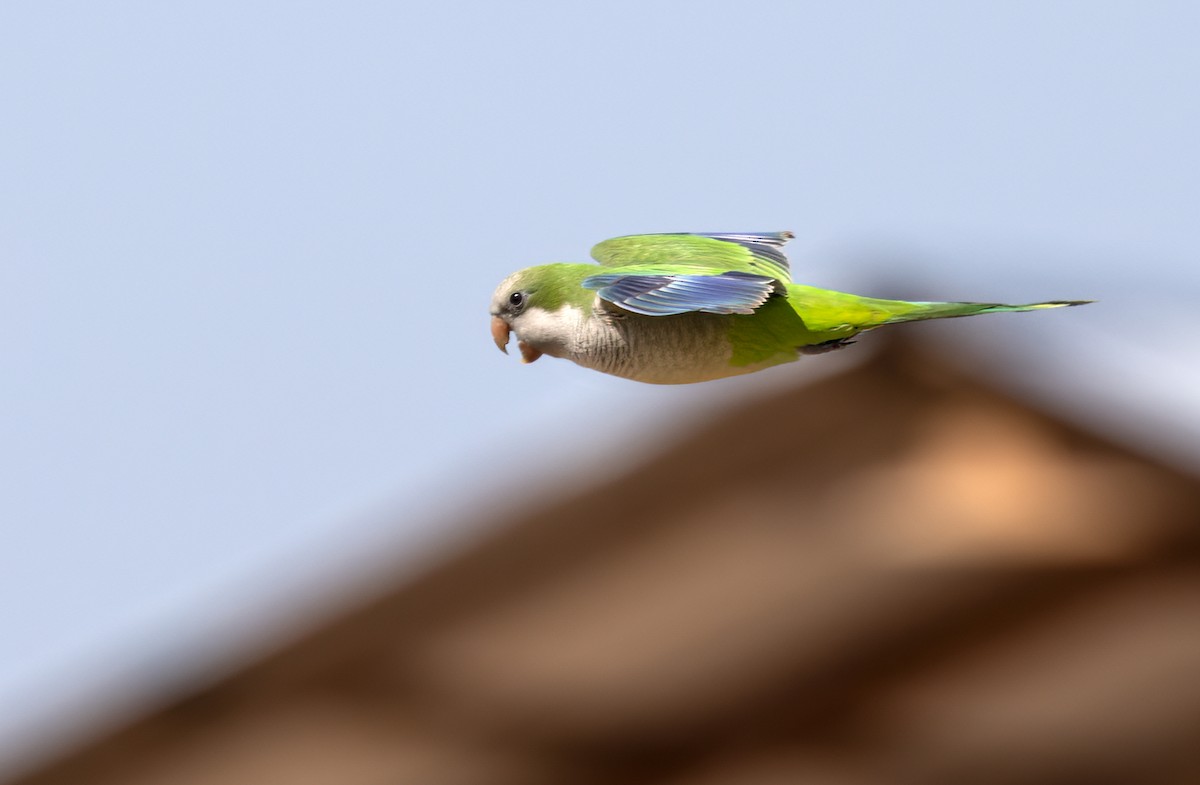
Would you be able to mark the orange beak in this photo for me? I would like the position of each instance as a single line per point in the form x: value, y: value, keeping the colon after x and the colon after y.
x: 500, y: 333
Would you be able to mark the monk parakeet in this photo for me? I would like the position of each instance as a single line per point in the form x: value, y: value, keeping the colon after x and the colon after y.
x: 680, y: 308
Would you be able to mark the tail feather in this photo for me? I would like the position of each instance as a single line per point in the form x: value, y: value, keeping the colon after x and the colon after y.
x: 917, y: 311
x: 828, y: 315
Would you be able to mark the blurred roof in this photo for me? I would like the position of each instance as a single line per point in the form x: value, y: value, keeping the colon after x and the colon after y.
x: 898, y: 574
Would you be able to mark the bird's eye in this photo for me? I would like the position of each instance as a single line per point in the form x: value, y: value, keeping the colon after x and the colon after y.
x: 516, y: 299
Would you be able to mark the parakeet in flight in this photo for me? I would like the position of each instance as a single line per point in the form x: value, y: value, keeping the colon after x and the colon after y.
x: 680, y: 308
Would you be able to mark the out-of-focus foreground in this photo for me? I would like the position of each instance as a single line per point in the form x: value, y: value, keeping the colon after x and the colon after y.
x: 898, y: 574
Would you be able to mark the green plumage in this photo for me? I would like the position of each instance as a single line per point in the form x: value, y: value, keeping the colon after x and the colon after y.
x: 698, y: 253
x: 676, y: 308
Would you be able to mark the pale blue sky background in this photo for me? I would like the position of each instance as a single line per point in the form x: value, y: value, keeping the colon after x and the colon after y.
x: 246, y: 251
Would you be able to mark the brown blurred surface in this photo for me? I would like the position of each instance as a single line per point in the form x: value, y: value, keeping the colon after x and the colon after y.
x: 898, y: 575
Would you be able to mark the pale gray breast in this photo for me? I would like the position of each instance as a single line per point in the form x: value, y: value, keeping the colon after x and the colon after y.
x: 678, y: 349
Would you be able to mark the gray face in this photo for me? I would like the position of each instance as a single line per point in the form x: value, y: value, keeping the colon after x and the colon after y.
x: 538, y: 332
x: 509, y: 298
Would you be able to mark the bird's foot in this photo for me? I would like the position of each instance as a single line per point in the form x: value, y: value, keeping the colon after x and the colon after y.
x: 825, y: 346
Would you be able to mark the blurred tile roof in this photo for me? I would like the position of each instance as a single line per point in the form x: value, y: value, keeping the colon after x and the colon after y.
x: 898, y: 574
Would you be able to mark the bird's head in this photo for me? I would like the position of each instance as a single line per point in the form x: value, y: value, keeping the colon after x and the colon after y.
x: 513, y: 298
x: 539, y: 304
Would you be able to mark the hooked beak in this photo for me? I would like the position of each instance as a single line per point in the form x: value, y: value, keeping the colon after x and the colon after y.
x: 500, y: 333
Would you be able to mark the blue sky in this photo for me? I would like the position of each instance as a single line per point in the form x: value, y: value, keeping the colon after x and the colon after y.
x: 246, y: 251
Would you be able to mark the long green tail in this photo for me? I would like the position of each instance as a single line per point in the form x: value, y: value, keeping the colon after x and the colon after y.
x: 830, y: 314
x: 916, y: 311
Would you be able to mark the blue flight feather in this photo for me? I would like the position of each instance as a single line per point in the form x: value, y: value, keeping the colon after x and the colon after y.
x: 766, y: 245
x: 666, y: 295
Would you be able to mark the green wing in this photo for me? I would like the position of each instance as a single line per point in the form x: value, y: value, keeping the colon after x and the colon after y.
x: 700, y: 254
x: 668, y: 274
